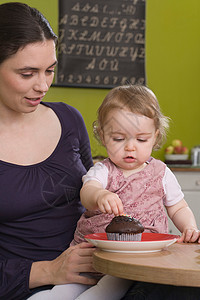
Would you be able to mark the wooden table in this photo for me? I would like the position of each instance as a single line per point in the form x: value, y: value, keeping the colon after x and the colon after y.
x: 179, y: 265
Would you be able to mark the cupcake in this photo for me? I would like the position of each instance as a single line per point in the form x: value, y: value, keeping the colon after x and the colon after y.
x: 124, y: 228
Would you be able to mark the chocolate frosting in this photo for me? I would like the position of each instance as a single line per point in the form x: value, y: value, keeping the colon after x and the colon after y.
x: 124, y: 224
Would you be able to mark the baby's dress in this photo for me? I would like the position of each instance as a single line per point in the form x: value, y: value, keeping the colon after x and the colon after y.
x: 142, y: 195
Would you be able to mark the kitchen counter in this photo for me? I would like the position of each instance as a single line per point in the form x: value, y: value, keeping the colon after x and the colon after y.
x: 184, y: 168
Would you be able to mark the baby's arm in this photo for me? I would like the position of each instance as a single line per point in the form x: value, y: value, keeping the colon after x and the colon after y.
x: 184, y: 220
x: 94, y: 196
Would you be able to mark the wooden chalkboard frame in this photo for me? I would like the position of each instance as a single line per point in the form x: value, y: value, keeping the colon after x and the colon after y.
x: 101, y: 43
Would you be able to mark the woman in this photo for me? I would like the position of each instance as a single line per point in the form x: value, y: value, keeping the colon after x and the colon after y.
x: 44, y: 152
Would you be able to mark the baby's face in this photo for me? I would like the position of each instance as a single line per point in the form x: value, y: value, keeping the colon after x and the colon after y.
x: 129, y: 138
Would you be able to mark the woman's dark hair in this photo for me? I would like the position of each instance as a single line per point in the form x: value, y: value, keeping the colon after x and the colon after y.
x: 21, y: 25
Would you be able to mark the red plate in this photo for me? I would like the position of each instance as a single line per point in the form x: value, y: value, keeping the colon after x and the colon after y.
x: 146, y: 237
x: 151, y: 242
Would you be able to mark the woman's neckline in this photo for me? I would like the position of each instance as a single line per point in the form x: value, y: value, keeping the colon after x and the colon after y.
x: 44, y: 160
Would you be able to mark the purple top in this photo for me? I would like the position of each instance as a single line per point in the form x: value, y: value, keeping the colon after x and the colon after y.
x: 40, y: 205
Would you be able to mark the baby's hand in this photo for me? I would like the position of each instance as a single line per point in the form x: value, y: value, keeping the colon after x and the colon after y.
x: 110, y: 203
x: 190, y: 235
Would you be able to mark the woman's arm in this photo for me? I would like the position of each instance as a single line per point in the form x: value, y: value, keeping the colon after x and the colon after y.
x: 66, y: 268
x: 184, y: 220
x: 14, y: 278
x: 19, y: 276
x: 84, y: 142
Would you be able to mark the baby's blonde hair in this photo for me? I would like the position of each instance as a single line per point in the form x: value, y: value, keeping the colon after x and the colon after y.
x: 138, y: 99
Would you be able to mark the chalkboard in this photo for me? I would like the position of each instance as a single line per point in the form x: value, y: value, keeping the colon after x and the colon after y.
x: 101, y: 43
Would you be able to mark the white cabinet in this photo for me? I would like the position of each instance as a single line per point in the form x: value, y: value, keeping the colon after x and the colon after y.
x: 190, y: 184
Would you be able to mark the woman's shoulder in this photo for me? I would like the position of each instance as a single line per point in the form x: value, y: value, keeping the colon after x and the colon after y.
x: 66, y: 113
x: 62, y: 107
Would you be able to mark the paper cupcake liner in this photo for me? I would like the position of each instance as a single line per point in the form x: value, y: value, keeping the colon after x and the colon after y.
x: 124, y: 236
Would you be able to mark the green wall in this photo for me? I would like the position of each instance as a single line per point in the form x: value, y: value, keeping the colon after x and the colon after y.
x: 172, y: 68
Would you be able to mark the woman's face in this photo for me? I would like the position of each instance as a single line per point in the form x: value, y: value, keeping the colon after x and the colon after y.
x: 26, y: 76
